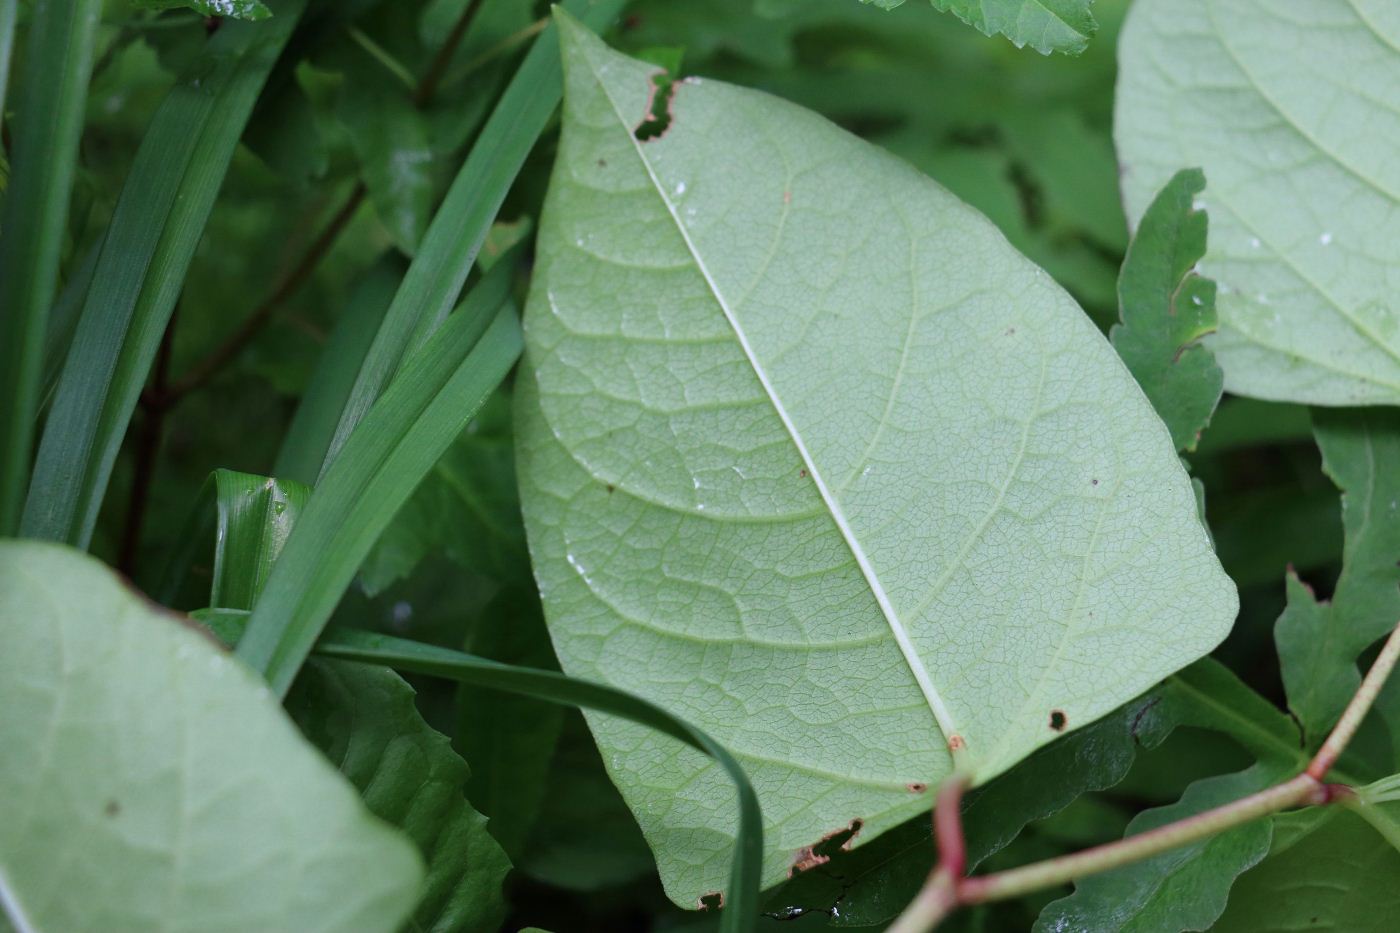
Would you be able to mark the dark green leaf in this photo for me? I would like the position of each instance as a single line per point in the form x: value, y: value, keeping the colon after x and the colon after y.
x: 364, y: 719
x: 1167, y: 308
x: 553, y: 687
x: 390, y: 138
x: 1183, y: 889
x: 1328, y: 871
x: 1319, y: 642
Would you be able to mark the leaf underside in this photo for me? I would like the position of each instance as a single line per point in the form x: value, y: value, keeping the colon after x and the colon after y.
x: 811, y: 456
x: 150, y: 781
x: 1293, y: 110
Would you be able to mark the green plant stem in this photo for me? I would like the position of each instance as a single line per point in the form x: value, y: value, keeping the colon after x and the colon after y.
x: 947, y: 888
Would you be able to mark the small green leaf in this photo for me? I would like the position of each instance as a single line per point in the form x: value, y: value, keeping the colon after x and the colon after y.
x: 1167, y: 308
x: 390, y: 138
x: 255, y: 516
x: 811, y: 456
x: 233, y: 9
x: 1045, y: 25
x: 1289, y: 109
x: 150, y: 781
x: 1319, y: 642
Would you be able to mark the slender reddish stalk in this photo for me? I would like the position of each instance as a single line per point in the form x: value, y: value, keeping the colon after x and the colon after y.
x: 948, y: 888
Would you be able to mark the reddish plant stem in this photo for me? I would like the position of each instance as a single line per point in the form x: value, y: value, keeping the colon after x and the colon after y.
x: 948, y: 888
x: 206, y: 369
x: 147, y: 444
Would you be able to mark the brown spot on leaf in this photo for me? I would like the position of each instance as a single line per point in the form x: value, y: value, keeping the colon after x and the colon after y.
x: 611, y: 487
x: 712, y: 901
x: 1058, y: 720
x: 112, y: 808
x: 819, y: 853
x: 802, y: 473
x: 1094, y: 482
x: 918, y: 787
x: 787, y: 197
x: 956, y: 743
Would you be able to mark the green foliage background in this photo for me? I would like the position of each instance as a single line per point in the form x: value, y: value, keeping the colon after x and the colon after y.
x: 1023, y: 137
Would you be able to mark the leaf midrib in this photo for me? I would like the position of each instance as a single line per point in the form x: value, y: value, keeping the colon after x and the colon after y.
x: 916, y: 665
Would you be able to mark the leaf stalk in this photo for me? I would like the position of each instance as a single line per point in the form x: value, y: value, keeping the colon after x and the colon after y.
x: 948, y: 888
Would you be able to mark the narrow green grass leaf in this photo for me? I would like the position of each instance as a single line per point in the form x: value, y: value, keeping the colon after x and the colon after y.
x: 426, y: 406
x: 234, y: 9
x: 309, y: 436
x: 741, y: 906
x: 445, y: 256
x: 8, y: 9
x: 33, y: 215
x: 159, y: 219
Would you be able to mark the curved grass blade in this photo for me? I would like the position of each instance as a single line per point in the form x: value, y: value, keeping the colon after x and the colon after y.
x: 159, y: 219
x: 32, y: 218
x: 427, y: 405
x: 454, y: 237
x: 741, y: 904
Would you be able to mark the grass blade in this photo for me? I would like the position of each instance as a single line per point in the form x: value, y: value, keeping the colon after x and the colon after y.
x: 158, y: 222
x: 405, y: 433
x: 741, y: 905
x: 308, y: 437
x: 449, y: 248
x: 32, y: 218
x: 8, y: 9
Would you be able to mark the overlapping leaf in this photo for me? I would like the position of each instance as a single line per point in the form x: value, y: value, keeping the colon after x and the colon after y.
x: 811, y: 456
x: 150, y: 781
x: 1291, y: 109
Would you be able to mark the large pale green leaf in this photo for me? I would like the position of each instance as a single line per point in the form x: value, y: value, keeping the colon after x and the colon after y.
x: 809, y: 454
x: 150, y: 781
x: 1293, y: 110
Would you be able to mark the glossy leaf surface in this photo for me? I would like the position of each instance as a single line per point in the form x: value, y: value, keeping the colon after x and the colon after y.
x: 811, y: 456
